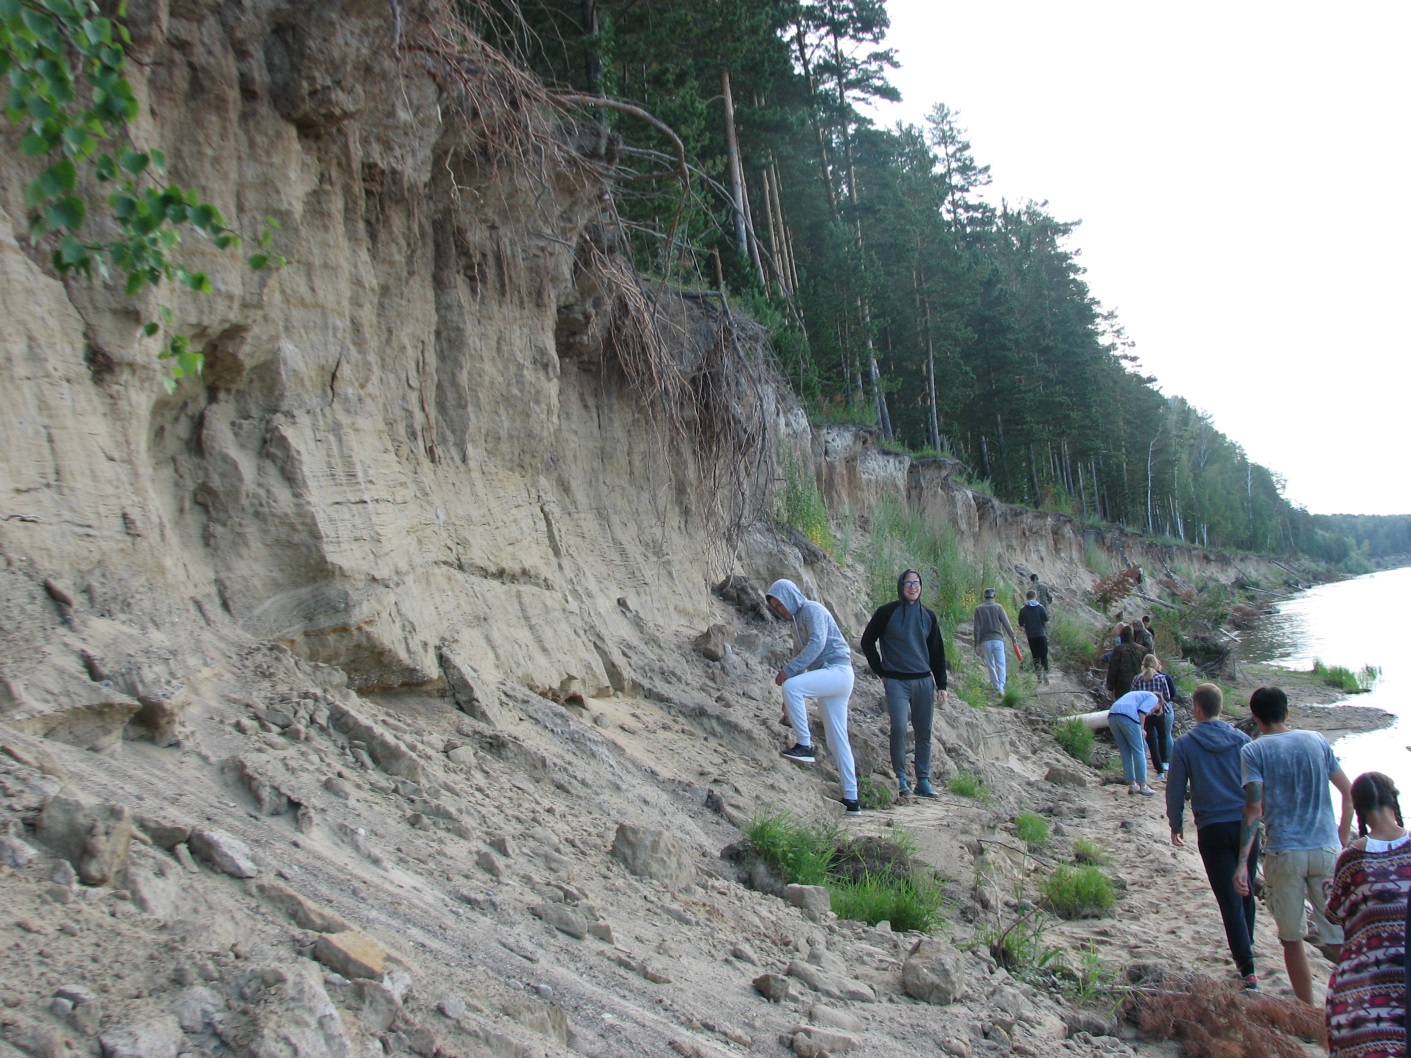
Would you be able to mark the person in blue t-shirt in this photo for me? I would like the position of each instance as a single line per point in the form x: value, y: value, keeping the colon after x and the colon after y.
x: 1286, y: 775
x: 1127, y: 720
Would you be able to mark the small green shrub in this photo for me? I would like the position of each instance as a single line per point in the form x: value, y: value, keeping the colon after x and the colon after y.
x: 1093, y: 976
x: 873, y: 795
x: 1096, y: 561
x: 963, y: 784
x: 1078, y: 892
x: 1017, y: 688
x: 803, y: 852
x: 801, y: 504
x: 973, y: 684
x: 1070, y: 641
x: 1087, y: 851
x: 1032, y: 829
x: 1076, y: 738
x: 909, y: 905
x: 1344, y: 679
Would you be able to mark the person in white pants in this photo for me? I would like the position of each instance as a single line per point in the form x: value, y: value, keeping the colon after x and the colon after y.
x: 821, y: 669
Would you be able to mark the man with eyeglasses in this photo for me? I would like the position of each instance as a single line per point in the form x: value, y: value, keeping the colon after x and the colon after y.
x: 903, y: 645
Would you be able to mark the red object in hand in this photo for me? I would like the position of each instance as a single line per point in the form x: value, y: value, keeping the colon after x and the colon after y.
x: 1016, y: 652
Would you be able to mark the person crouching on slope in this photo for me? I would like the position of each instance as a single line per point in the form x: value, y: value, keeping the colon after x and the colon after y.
x: 821, y: 669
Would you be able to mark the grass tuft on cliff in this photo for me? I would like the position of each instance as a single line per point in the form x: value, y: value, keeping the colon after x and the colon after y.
x: 868, y: 879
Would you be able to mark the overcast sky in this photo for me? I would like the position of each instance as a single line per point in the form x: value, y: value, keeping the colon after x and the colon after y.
x: 1240, y: 171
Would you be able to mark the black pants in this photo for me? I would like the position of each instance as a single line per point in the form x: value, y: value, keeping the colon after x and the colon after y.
x: 1158, y: 738
x: 1219, y: 845
x: 1039, y: 649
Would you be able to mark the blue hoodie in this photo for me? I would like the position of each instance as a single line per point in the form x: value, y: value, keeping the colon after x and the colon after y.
x: 1209, y: 756
x: 821, y: 644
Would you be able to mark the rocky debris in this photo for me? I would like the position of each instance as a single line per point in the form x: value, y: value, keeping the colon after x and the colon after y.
x: 563, y: 918
x: 14, y: 850
x: 269, y: 799
x: 463, y: 680
x: 833, y: 1018
x: 812, y: 1041
x: 198, y: 1010
x: 35, y: 757
x: 808, y: 897
x: 832, y: 985
x: 714, y: 643
x: 78, y: 1007
x: 1063, y: 775
x: 225, y: 852
x: 934, y: 972
x: 302, y: 911
x: 740, y: 593
x: 386, y: 752
x: 351, y: 954
x: 537, y: 1016
x: 654, y: 854
x: 159, y: 1038
x: 93, y: 837
x: 162, y: 833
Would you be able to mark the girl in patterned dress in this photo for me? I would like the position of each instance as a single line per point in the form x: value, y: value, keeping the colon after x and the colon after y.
x: 1366, y: 1005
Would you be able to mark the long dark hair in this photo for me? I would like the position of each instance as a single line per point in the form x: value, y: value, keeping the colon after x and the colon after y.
x: 1372, y: 790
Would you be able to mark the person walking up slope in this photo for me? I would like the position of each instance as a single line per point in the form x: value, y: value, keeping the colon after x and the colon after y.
x: 1286, y: 775
x: 1033, y: 618
x: 903, y: 645
x: 991, y: 627
x: 1207, y: 760
x: 821, y: 669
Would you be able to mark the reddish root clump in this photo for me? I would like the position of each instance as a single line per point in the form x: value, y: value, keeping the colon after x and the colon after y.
x: 1211, y: 1019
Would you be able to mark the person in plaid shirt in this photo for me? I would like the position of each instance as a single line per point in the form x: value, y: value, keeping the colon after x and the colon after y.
x: 1158, y: 730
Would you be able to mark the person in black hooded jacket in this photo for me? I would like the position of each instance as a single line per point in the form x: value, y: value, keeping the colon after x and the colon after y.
x: 903, y: 645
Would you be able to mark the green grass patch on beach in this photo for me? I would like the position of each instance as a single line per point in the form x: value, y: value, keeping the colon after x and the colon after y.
x: 1078, y: 892
x: 1088, y: 852
x: 1344, y: 679
x: 1076, y: 738
x: 883, y: 884
x: 965, y: 784
x: 1032, y: 829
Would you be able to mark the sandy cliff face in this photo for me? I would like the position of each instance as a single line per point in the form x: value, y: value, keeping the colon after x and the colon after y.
x: 393, y: 449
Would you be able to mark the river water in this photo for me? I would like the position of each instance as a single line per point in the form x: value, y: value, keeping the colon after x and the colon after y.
x: 1351, y: 623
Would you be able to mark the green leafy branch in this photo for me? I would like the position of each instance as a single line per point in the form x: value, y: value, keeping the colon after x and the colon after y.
x: 64, y: 61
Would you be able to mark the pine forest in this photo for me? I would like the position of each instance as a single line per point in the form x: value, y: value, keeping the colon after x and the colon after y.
x: 896, y: 295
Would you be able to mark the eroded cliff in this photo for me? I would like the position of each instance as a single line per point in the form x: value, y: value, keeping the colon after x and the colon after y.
x: 390, y: 609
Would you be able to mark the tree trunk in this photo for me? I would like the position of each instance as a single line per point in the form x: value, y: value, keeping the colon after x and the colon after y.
x: 732, y: 157
x: 935, y: 411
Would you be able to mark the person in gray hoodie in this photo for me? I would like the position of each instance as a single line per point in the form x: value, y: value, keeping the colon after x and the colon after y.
x: 903, y: 645
x: 1207, y: 759
x: 821, y: 669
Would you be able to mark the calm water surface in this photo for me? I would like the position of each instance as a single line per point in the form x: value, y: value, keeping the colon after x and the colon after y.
x: 1351, y: 623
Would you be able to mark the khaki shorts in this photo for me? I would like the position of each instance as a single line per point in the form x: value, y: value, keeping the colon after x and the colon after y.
x: 1295, y: 875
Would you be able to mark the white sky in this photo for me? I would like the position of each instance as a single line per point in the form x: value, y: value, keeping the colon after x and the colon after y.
x: 1241, y: 173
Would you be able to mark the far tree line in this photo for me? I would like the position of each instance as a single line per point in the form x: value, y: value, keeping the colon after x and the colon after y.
x: 896, y: 295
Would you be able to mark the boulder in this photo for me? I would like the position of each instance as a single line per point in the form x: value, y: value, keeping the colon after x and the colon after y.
x: 808, y: 897
x: 714, y: 643
x: 225, y: 852
x: 654, y: 854
x: 95, y: 838
x: 934, y: 972
x: 351, y: 954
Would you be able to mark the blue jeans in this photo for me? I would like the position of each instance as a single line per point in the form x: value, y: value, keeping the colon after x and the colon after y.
x: 1127, y: 733
x: 992, y: 650
x: 917, y: 697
